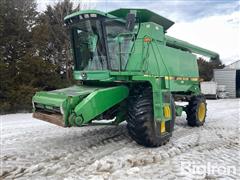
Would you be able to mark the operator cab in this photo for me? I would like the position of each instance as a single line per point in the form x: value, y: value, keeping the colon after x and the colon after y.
x: 100, y: 41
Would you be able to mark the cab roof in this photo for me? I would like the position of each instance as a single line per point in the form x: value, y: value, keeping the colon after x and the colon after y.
x: 144, y: 15
x: 90, y: 11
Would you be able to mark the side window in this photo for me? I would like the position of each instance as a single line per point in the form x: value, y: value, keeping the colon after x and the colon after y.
x: 119, y: 43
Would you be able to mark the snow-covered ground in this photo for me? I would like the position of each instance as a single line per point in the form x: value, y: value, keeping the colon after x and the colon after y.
x: 33, y: 149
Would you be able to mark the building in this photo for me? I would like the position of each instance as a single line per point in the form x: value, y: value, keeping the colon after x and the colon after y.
x: 234, y: 65
x: 230, y: 77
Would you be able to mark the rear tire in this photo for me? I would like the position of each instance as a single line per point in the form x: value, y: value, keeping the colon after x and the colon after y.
x: 141, y: 125
x: 196, y: 111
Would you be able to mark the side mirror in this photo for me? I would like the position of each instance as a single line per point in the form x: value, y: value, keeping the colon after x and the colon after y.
x: 130, y: 21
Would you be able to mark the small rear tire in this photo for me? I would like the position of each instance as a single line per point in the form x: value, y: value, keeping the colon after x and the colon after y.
x: 196, y: 111
x: 141, y: 124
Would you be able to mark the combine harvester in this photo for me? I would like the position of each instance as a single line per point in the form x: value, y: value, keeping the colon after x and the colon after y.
x: 127, y: 69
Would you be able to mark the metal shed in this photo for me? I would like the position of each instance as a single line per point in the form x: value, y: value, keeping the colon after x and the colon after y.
x: 234, y: 65
x: 230, y: 78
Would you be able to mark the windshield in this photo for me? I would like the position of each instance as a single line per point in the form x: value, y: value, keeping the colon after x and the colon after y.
x: 119, y: 43
x: 88, y: 45
x: 92, y: 45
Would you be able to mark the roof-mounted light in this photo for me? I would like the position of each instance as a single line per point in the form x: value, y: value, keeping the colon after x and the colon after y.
x: 93, y: 15
x: 86, y: 15
x: 76, y: 19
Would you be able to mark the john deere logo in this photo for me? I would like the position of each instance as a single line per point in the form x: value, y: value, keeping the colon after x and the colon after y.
x: 84, y: 75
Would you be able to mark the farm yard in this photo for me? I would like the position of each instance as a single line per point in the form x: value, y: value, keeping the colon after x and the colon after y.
x: 33, y: 149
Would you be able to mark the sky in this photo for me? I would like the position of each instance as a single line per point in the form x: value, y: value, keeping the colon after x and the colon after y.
x: 212, y: 24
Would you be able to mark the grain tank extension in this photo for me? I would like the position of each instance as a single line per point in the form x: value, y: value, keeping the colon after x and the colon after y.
x: 128, y: 70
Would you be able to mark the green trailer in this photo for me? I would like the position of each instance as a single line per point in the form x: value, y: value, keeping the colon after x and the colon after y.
x: 127, y: 69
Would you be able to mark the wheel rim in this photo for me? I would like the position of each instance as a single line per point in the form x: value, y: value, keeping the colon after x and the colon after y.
x: 201, y: 111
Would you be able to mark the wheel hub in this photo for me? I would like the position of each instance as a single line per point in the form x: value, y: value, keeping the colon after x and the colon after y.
x: 201, y: 111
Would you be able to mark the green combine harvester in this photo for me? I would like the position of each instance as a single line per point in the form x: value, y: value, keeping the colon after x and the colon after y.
x: 128, y: 69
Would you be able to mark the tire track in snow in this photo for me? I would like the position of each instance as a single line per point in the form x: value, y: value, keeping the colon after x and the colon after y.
x: 183, y: 142
x: 90, y: 142
x: 108, y: 152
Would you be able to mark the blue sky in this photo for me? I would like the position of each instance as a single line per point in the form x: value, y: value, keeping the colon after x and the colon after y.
x: 178, y: 10
x: 213, y: 24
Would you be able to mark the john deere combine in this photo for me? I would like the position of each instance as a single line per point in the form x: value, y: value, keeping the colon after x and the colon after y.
x: 127, y: 69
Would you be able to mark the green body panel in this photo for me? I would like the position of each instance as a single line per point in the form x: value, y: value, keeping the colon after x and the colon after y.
x: 84, y: 101
x: 165, y: 63
x: 155, y: 58
x: 98, y: 102
x: 179, y: 110
x: 75, y: 91
x: 49, y: 99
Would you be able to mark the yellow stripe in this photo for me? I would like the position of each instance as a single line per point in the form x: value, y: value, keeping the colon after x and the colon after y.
x: 162, y: 127
x: 194, y: 79
x: 169, y: 78
x: 178, y: 78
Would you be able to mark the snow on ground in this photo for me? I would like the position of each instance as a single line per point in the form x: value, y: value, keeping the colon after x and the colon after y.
x: 33, y: 149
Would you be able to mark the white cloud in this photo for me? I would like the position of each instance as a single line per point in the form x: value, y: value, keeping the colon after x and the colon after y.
x: 42, y: 4
x: 220, y: 33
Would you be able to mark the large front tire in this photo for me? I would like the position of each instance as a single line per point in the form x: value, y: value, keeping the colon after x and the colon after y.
x: 141, y: 125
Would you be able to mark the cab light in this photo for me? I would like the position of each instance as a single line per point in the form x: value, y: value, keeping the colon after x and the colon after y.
x: 147, y: 39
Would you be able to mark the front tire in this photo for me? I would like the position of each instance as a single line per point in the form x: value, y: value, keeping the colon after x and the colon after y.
x: 196, y: 111
x: 141, y: 124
